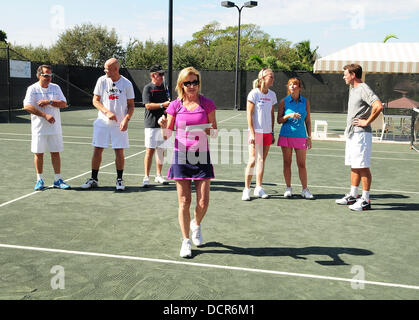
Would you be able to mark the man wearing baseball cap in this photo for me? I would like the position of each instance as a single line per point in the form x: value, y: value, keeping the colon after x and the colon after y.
x: 156, y: 100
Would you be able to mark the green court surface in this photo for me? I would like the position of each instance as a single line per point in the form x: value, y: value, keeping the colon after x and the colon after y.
x: 125, y: 245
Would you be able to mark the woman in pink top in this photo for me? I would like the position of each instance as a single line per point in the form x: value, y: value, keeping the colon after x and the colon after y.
x: 191, y: 158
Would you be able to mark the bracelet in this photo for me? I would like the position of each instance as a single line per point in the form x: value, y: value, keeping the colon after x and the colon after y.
x: 128, y: 116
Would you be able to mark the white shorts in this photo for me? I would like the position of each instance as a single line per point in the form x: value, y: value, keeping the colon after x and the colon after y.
x: 47, y: 142
x: 103, y: 135
x: 358, y: 150
x: 153, y: 138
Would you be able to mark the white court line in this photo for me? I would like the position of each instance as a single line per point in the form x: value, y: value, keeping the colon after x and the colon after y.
x: 74, y: 137
x: 229, y: 118
x: 214, y: 266
x: 78, y: 176
x: 236, y: 150
x: 280, y: 184
x: 68, y: 142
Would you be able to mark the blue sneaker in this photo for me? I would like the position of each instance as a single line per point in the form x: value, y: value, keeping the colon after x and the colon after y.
x: 39, y: 185
x: 61, y: 184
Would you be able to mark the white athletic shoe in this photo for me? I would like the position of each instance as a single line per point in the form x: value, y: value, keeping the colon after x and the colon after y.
x: 348, y: 199
x: 120, y: 185
x: 246, y: 194
x: 260, y: 193
x: 306, y: 194
x: 360, y: 205
x: 91, y: 183
x: 288, y: 192
x: 186, y: 249
x: 160, y: 179
x: 146, y: 182
x: 196, y: 233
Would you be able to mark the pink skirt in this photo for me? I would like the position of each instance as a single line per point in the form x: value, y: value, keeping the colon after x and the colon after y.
x: 295, y: 143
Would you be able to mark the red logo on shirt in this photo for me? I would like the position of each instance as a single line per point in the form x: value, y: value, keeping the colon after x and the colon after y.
x: 113, y: 97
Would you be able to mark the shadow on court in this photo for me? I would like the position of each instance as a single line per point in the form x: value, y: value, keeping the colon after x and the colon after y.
x: 296, y: 253
x: 128, y: 189
x: 397, y: 206
x: 335, y: 196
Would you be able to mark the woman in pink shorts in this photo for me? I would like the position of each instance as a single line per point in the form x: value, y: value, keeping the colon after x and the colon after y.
x: 260, y: 118
x: 294, y: 115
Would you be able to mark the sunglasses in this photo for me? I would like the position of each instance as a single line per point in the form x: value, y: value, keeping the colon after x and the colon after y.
x: 46, y: 75
x: 189, y: 83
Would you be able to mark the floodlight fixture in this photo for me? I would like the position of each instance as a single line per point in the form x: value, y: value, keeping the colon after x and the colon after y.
x: 250, y: 4
x: 227, y: 4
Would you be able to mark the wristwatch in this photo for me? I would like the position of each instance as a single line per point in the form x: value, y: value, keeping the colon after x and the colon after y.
x: 50, y: 102
x: 161, y: 106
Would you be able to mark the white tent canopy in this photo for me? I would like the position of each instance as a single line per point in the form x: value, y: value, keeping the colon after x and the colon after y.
x: 373, y: 58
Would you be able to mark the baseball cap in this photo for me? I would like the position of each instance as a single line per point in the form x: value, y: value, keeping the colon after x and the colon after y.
x: 156, y: 68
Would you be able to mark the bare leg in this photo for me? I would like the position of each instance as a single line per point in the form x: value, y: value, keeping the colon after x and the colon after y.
x: 261, y: 158
x: 97, y: 158
x: 184, y: 189
x: 202, y: 199
x: 287, y: 160
x: 159, y: 160
x: 301, y: 163
x: 250, y: 166
x: 56, y: 162
x: 148, y: 160
x: 39, y: 162
x: 119, y: 159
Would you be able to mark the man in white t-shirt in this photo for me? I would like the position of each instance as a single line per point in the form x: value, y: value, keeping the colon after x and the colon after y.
x: 114, y: 99
x: 43, y: 101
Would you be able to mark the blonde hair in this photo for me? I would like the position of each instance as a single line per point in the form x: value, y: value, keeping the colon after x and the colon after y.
x: 182, y: 77
x: 258, y: 82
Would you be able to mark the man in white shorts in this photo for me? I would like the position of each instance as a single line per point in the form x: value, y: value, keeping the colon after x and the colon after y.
x: 114, y: 99
x: 363, y: 107
x: 156, y: 100
x: 43, y: 101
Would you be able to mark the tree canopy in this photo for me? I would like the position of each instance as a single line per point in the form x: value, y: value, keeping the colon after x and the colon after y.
x: 211, y: 48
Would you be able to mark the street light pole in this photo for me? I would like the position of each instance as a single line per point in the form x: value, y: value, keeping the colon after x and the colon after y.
x: 230, y: 4
x: 236, y: 89
x: 9, y: 94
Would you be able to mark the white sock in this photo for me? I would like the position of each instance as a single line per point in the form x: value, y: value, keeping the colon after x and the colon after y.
x: 39, y: 176
x: 366, y: 195
x: 58, y: 176
x: 354, y: 191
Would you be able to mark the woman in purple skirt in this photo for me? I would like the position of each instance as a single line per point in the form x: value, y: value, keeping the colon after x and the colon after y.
x: 194, y: 117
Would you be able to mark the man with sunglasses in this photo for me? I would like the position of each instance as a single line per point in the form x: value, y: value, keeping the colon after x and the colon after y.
x: 43, y: 101
x: 155, y: 100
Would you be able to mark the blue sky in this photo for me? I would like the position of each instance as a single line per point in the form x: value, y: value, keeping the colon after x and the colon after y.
x: 329, y: 24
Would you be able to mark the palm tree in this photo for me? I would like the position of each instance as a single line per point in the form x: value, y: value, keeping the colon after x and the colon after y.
x: 3, y: 36
x: 389, y: 36
x: 305, y: 55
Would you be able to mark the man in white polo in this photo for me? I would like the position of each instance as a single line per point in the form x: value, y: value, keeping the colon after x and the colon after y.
x: 363, y: 107
x: 156, y: 100
x: 114, y: 99
x: 43, y: 101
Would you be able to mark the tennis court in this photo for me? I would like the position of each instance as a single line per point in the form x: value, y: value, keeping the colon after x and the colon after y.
x: 108, y: 245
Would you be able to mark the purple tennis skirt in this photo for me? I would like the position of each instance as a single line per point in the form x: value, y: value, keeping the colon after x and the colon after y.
x: 191, y: 166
